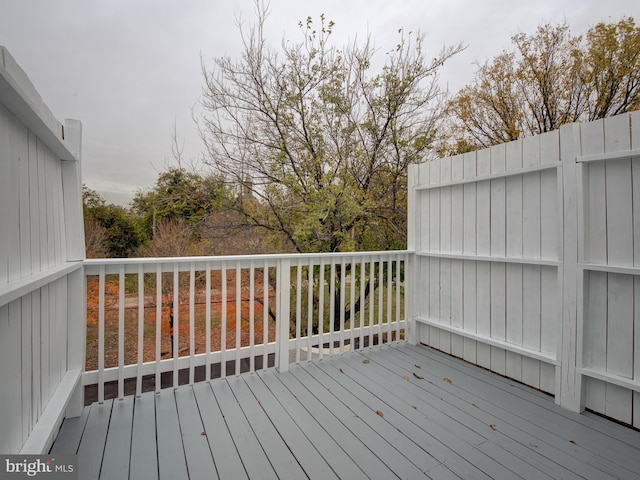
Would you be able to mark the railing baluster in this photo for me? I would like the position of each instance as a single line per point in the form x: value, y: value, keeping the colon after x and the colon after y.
x: 265, y: 315
x: 207, y: 328
x: 321, y: 310
x: 389, y: 297
x: 332, y: 303
x: 252, y: 313
x: 342, y: 304
x: 192, y: 330
x: 298, y: 307
x: 363, y: 300
x: 223, y: 326
x: 372, y: 290
x: 121, y: 299
x: 158, y: 379
x: 310, y: 311
x: 238, y: 316
x: 352, y: 299
x: 398, y: 305
x: 140, y: 330
x: 101, y: 288
x: 175, y: 331
x: 380, y: 300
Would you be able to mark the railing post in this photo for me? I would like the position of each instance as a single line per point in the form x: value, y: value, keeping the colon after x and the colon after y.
x: 75, y: 251
x: 411, y: 267
x: 283, y: 295
x: 569, y: 389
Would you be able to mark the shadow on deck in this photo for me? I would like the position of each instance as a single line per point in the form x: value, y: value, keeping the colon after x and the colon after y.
x: 395, y: 411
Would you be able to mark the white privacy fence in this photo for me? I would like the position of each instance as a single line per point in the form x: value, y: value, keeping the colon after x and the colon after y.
x: 41, y: 253
x: 161, y: 322
x: 527, y: 261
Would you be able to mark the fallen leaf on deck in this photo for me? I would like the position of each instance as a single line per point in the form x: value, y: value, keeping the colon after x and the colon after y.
x: 417, y: 366
x: 405, y: 377
x: 573, y: 441
x: 418, y: 376
x: 259, y: 402
x: 379, y: 413
x: 446, y: 380
x: 366, y: 360
x: 203, y: 433
x: 414, y: 407
x: 492, y: 426
x: 341, y: 371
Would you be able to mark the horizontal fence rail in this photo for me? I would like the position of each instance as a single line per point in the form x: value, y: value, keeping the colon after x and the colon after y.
x: 154, y: 323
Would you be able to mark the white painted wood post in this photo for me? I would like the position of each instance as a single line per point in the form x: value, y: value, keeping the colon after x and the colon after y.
x: 76, y: 288
x: 569, y: 381
x: 72, y: 191
x: 283, y: 292
x: 411, y: 270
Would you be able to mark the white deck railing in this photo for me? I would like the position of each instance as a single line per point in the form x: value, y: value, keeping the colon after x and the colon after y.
x: 210, y: 316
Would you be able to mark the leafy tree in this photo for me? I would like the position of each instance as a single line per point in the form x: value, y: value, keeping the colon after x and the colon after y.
x: 109, y: 229
x: 318, y: 141
x: 181, y: 196
x: 550, y: 79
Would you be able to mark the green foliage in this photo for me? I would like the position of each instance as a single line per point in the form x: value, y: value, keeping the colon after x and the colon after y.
x: 120, y: 237
x: 550, y: 79
x: 325, y: 140
x: 179, y: 195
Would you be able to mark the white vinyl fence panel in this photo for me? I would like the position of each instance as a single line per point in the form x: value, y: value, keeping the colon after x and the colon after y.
x: 41, y: 253
x: 527, y: 256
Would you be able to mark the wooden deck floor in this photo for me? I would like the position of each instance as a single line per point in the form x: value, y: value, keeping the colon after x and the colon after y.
x: 401, y: 411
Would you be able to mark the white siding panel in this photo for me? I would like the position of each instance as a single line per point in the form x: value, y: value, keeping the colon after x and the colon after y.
x: 514, y: 318
x: 619, y: 358
x: 5, y: 204
x: 12, y: 224
x: 595, y: 337
x: 619, y: 213
x: 27, y: 365
x: 483, y: 318
x: 34, y: 204
x: 531, y: 216
x: 531, y: 328
x: 550, y: 324
x: 457, y: 295
x: 469, y: 308
x: 445, y: 303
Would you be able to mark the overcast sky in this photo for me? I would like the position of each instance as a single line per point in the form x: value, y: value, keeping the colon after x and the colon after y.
x: 130, y: 69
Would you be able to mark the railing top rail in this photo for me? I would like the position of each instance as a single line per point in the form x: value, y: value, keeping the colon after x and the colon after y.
x: 235, y: 258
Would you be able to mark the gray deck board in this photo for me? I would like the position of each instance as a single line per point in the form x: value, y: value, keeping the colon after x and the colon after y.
x: 144, y: 450
x: 312, y: 428
x: 320, y: 420
x: 225, y: 456
x: 172, y: 463
x: 70, y: 434
x: 94, y: 438
x: 552, y: 455
x: 360, y: 452
x: 313, y: 464
x: 364, y: 423
x: 384, y: 420
x: 115, y: 463
x: 194, y: 438
x: 579, y: 433
x: 458, y: 432
x: 278, y: 452
x: 255, y: 461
